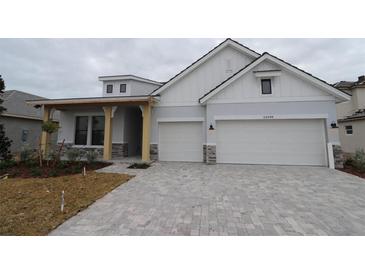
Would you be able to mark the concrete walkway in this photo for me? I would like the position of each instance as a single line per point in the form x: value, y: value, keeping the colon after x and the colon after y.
x: 199, y: 199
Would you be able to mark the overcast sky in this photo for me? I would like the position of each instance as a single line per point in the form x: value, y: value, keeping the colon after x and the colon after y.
x: 58, y: 68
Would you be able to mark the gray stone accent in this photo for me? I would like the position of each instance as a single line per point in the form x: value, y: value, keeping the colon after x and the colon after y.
x: 83, y: 150
x: 154, y: 152
x: 338, y: 155
x: 211, y: 154
x: 119, y: 150
x: 204, y: 153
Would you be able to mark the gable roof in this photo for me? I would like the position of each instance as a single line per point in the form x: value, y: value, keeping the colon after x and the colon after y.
x: 340, y: 95
x: 15, y: 104
x: 347, y: 85
x: 201, y: 60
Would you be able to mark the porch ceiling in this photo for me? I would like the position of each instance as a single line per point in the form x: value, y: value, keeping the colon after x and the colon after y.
x: 95, y: 101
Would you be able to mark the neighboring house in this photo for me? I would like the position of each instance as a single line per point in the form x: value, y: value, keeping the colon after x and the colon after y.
x: 22, y: 122
x: 351, y: 115
x: 233, y: 105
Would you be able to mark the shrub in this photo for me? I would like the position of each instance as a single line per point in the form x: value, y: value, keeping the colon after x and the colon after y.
x: 26, y: 154
x: 91, y: 156
x: 7, y: 164
x: 73, y: 154
x: 62, y: 164
x: 53, y: 173
x: 49, y: 127
x: 359, y: 160
x: 36, y: 172
x: 349, y: 162
x: 31, y: 163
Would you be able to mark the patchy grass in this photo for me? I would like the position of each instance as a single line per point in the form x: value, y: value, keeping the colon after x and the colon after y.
x: 32, y: 206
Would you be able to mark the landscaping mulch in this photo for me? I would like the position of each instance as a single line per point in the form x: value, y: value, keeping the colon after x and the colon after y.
x: 352, y: 170
x: 32, y: 169
x: 33, y: 206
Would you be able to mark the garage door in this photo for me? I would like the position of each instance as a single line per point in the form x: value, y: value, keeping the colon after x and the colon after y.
x: 284, y: 142
x: 181, y: 141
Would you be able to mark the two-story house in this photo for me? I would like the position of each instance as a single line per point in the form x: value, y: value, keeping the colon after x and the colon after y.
x: 232, y: 105
x: 351, y: 115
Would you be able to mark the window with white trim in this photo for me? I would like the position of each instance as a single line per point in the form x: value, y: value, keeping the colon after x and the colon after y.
x: 349, y: 130
x: 81, y: 130
x: 266, y: 87
x: 89, y: 130
x: 123, y: 88
x: 109, y: 88
x: 97, y: 136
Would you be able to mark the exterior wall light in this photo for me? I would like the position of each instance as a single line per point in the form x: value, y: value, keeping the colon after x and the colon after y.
x: 211, y: 127
x: 333, y: 124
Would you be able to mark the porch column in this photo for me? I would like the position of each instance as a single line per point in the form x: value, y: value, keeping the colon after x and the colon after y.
x: 45, y: 135
x: 146, y: 113
x: 108, y: 133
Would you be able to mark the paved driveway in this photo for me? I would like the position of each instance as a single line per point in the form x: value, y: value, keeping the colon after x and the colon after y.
x: 198, y: 199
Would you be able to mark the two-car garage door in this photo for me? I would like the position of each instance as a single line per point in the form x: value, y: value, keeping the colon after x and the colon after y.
x: 281, y: 142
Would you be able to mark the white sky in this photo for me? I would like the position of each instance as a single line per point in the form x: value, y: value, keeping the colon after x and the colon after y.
x: 58, y: 68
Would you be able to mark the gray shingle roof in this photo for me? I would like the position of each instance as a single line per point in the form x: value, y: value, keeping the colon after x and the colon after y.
x: 15, y: 104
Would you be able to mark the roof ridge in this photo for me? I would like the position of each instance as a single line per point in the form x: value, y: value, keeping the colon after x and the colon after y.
x: 230, y: 77
x: 202, y: 57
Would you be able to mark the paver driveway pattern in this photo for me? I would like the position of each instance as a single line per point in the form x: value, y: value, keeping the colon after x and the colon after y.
x: 199, y: 199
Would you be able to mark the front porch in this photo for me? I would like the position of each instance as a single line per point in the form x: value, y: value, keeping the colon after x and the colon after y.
x: 117, y: 127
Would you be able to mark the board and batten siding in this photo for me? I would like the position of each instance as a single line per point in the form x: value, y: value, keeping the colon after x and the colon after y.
x: 191, y: 87
x: 287, y: 86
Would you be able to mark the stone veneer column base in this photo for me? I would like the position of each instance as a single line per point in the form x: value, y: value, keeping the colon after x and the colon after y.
x: 154, y: 152
x: 338, y: 156
x: 119, y: 150
x: 210, y: 154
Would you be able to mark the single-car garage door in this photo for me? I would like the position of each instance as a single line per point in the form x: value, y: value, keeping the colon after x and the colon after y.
x: 282, y: 142
x: 181, y: 141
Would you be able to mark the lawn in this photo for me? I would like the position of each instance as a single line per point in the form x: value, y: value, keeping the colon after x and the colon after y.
x: 33, y: 206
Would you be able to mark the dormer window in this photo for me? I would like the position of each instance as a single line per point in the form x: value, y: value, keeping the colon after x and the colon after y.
x: 109, y: 88
x: 266, y: 86
x: 123, y: 88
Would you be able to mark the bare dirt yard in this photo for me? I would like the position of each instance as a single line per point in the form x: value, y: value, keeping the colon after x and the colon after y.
x: 33, y: 206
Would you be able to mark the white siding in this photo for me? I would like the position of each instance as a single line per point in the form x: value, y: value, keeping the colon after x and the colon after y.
x: 134, y: 88
x: 141, y: 88
x: 190, y: 88
x: 286, y: 86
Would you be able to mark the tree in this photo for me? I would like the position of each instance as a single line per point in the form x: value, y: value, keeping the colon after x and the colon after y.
x: 5, y: 142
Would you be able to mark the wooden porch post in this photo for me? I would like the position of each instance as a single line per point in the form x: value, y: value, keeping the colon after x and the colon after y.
x: 108, y: 133
x: 146, y: 132
x: 45, y: 135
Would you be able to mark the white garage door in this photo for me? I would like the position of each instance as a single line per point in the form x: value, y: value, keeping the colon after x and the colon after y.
x: 284, y: 142
x: 181, y: 141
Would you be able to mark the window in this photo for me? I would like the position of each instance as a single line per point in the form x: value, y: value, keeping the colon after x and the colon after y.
x: 81, y: 130
x: 25, y: 134
x: 97, y: 137
x: 266, y: 86
x: 123, y: 88
x: 348, y: 130
x: 109, y: 88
